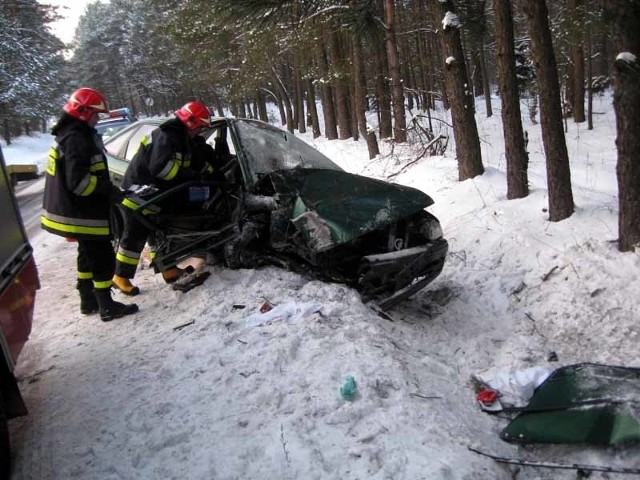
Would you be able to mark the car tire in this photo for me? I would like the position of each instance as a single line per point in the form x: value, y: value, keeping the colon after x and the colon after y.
x: 5, y: 449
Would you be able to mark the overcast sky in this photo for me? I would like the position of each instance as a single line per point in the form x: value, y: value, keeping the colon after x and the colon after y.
x: 71, y: 10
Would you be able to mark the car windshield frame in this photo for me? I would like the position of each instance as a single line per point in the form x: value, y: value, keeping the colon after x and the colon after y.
x: 266, y: 149
x: 259, y: 148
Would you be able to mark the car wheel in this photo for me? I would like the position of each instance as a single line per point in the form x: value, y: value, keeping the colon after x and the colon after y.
x: 5, y: 450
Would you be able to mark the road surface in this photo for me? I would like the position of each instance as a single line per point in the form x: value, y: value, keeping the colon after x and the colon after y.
x: 29, y: 195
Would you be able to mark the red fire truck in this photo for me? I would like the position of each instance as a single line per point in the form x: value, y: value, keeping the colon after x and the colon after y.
x: 18, y: 284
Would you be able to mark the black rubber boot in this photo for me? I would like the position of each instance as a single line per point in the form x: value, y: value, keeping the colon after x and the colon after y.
x: 109, y: 309
x: 88, y: 302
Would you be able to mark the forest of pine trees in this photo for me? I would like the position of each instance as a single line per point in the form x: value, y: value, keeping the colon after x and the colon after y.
x: 397, y: 58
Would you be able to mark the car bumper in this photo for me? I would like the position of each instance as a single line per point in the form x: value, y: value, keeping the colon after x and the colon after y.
x: 393, y: 271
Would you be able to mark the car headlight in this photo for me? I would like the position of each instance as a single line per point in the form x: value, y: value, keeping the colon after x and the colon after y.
x: 431, y: 229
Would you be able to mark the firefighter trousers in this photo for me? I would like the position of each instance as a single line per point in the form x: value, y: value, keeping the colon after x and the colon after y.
x: 134, y: 237
x: 96, y: 261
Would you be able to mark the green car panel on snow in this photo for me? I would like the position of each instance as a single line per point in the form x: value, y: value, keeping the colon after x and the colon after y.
x: 583, y: 403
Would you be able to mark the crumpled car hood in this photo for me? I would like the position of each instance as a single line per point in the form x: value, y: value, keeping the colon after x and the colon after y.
x: 332, y: 207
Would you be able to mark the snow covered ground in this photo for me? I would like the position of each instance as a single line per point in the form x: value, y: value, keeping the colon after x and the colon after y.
x: 187, y: 389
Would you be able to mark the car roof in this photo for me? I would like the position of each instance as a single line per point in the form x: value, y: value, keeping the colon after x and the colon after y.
x: 110, y: 121
x: 161, y: 120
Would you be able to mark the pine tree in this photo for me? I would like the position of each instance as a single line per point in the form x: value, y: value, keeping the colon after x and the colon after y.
x: 515, y: 152
x: 460, y: 97
x: 625, y: 19
x: 555, y: 147
x: 31, y: 62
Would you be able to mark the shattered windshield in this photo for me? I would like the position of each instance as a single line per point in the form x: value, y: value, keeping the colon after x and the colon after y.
x: 268, y: 148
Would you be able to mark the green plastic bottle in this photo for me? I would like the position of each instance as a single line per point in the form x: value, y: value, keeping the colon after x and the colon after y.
x: 349, y: 389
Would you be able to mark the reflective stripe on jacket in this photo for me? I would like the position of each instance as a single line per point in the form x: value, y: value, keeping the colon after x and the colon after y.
x: 77, y: 186
x: 133, y: 202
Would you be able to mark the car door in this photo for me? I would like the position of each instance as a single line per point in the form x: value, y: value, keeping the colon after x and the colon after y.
x: 219, y: 137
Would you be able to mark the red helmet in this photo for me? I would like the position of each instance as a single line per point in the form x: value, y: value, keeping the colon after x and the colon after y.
x: 84, y: 102
x: 194, y: 115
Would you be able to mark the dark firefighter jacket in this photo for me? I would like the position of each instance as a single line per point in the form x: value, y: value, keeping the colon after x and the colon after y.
x: 164, y: 160
x: 77, y: 189
x: 171, y: 157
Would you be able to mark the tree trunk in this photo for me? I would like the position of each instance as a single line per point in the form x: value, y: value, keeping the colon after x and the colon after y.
x: 578, y: 86
x: 275, y: 93
x: 262, y: 106
x: 341, y: 89
x: 6, y: 132
x: 589, y: 81
x: 240, y: 109
x: 515, y: 150
x: 456, y: 83
x: 382, y: 94
x: 577, y: 62
x: 355, y: 134
x: 485, y: 81
x: 311, y: 108
x: 285, y: 100
x: 299, y: 116
x: 475, y: 71
x: 422, y: 65
x: 440, y: 79
x: 326, y: 95
x: 360, y: 88
x: 555, y: 147
x: 406, y: 62
x: 218, y: 104
x: 134, y: 109
x: 400, y: 123
x: 625, y: 21
x: 426, y: 60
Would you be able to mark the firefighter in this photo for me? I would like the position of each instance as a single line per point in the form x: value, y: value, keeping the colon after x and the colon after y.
x: 77, y: 199
x: 167, y: 159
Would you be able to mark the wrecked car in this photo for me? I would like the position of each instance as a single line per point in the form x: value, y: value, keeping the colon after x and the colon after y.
x: 284, y: 203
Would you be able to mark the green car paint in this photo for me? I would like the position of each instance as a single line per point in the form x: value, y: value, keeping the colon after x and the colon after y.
x: 334, y: 207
